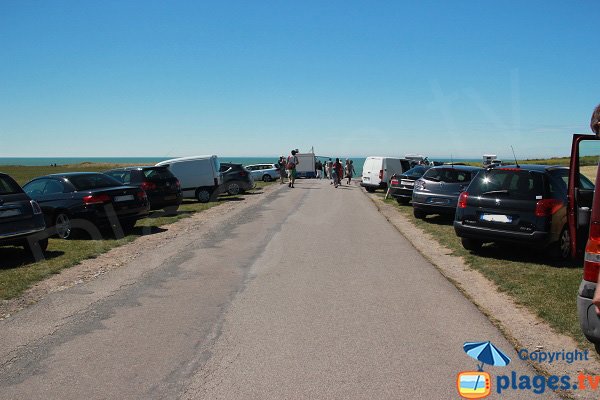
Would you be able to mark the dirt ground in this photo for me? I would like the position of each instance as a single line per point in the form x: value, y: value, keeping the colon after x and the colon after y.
x: 521, y: 327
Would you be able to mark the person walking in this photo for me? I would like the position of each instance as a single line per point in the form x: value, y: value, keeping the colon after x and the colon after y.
x: 292, y: 162
x: 338, y: 172
x: 319, y: 168
x: 349, y: 170
x: 282, y: 171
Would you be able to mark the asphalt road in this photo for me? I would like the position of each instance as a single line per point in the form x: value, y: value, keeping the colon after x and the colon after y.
x: 308, y: 294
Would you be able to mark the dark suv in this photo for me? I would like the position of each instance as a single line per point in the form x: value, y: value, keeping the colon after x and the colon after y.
x: 517, y: 204
x: 21, y: 219
x: 161, y: 186
x: 401, y: 186
x: 236, y: 179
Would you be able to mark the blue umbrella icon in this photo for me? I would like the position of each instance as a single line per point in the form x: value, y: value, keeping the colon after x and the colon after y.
x: 487, y: 353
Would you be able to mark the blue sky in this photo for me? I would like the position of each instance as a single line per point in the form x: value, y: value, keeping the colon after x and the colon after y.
x: 244, y: 78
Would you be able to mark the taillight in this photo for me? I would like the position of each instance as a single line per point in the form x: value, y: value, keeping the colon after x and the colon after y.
x: 178, y: 184
x: 149, y: 185
x: 37, y: 210
x: 462, y: 200
x: 96, y: 199
x: 394, y: 181
x: 142, y: 195
x: 591, y: 261
x: 547, y: 207
x: 380, y: 174
x: 243, y: 173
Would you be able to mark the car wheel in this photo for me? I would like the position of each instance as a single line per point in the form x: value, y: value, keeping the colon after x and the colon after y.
x: 562, y: 249
x: 267, y: 178
x: 234, y: 188
x: 370, y: 189
x: 171, y: 210
x: 420, y: 214
x: 402, y: 200
x: 203, y: 195
x: 471, y: 244
x: 63, y: 226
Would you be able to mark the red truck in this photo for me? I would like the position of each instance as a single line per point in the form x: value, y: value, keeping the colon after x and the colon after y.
x: 583, y: 210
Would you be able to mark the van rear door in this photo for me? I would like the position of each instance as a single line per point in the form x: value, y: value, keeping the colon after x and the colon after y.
x: 371, y: 169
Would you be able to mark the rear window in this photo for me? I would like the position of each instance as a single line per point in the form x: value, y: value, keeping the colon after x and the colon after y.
x: 517, y: 184
x: 92, y: 181
x: 415, y: 172
x: 157, y: 173
x: 448, y: 175
x: 8, y: 186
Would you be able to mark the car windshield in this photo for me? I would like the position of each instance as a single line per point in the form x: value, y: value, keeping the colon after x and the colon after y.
x: 8, y: 186
x: 447, y: 175
x: 157, y: 173
x: 415, y: 172
x: 514, y: 183
x: 92, y: 181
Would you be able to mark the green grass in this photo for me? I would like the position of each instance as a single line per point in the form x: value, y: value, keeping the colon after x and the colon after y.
x: 545, y: 287
x: 19, y: 271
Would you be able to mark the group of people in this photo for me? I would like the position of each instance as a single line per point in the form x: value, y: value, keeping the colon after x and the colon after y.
x: 332, y: 170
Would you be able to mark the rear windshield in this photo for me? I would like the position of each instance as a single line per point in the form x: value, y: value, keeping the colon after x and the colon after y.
x: 93, y: 181
x: 415, y: 172
x: 158, y: 173
x: 8, y: 186
x: 517, y: 184
x: 448, y: 175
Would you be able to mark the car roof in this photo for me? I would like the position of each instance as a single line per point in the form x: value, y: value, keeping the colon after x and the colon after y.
x: 138, y: 168
x: 66, y: 175
x: 457, y: 167
x: 532, y: 167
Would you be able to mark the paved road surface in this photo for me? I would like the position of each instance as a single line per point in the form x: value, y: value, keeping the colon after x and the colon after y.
x: 310, y: 294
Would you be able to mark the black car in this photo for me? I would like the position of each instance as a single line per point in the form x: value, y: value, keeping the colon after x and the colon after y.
x: 401, y: 186
x: 161, y: 186
x: 236, y: 179
x: 85, y: 201
x: 21, y: 219
x: 517, y: 204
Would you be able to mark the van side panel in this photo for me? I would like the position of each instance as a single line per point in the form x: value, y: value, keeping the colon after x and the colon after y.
x: 193, y: 174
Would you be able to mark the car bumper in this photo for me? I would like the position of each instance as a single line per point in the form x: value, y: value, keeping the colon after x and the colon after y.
x: 381, y: 185
x: 401, y: 193
x: 588, y: 319
x: 14, y: 237
x: 538, y: 238
x: 162, y: 201
x: 434, y: 208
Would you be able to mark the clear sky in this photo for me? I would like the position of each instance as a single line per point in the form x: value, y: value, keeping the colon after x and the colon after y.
x: 256, y: 78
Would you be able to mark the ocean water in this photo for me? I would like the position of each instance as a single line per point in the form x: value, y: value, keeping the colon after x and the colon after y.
x: 41, y: 161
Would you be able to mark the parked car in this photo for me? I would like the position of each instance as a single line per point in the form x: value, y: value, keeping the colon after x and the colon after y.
x: 401, y: 186
x: 437, y: 191
x: 263, y: 172
x: 199, y: 176
x: 378, y: 171
x: 21, y: 218
x: 524, y: 204
x: 161, y: 186
x: 236, y: 179
x: 74, y: 200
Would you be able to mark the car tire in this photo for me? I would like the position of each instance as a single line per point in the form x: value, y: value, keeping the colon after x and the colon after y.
x: 63, y: 226
x: 267, y: 178
x: 171, y: 210
x: 561, y: 250
x: 402, y: 200
x: 370, y: 189
x: 471, y: 244
x: 233, y: 188
x: 203, y: 195
x: 420, y: 214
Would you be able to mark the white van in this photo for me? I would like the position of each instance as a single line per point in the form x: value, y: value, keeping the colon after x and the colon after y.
x: 377, y: 171
x: 306, y: 165
x: 199, y: 176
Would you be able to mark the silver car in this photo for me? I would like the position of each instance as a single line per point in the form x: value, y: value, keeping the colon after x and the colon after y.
x: 263, y: 172
x: 437, y: 191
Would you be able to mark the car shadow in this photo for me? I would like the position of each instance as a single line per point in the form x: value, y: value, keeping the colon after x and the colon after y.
x: 523, y: 254
x: 16, y: 257
x: 439, y: 219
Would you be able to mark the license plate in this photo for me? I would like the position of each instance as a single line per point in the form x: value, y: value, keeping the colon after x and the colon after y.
x: 366, y: 178
x: 407, y: 182
x: 496, y: 218
x: 10, y: 213
x: 128, y: 197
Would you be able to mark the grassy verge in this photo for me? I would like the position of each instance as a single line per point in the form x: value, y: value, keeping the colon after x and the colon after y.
x: 19, y: 271
x: 545, y: 287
